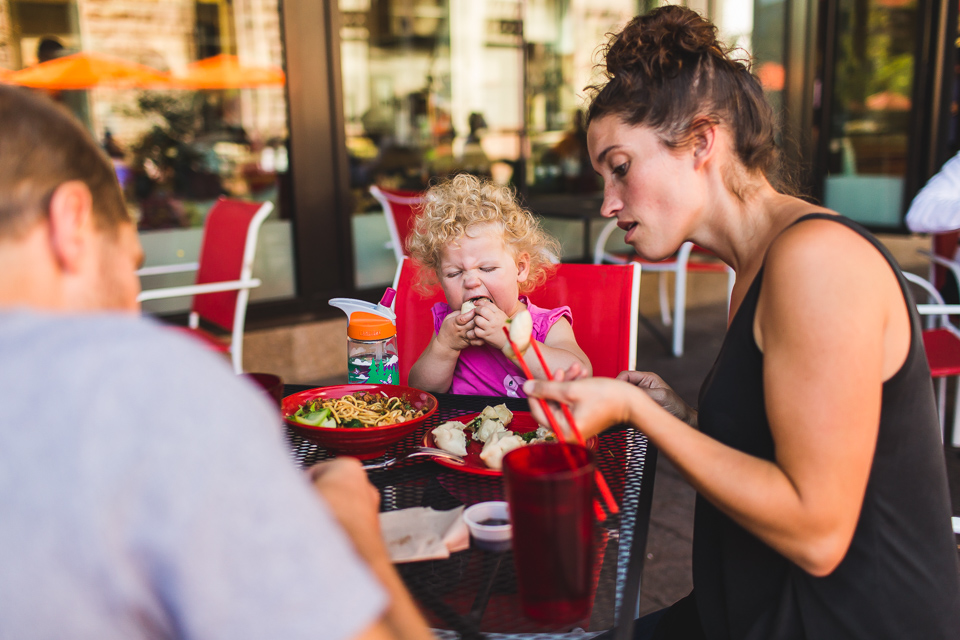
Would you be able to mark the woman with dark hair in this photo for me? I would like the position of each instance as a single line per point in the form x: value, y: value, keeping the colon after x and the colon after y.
x: 822, y: 507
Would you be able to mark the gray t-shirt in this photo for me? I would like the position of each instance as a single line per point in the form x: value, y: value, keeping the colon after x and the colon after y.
x: 146, y: 492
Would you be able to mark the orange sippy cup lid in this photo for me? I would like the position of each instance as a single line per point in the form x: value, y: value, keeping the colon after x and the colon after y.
x: 369, y: 326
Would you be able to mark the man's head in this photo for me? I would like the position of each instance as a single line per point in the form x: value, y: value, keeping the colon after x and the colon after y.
x: 61, y: 206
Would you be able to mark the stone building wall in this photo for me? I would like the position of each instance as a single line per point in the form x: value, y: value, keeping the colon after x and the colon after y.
x: 6, y: 36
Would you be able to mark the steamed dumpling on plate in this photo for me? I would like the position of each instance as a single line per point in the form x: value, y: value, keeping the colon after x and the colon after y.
x: 498, y: 446
x: 488, y: 428
x: 449, y: 436
x: 504, y: 414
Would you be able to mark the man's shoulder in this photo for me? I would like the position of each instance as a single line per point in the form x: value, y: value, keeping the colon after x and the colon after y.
x: 114, y: 350
x: 100, y: 333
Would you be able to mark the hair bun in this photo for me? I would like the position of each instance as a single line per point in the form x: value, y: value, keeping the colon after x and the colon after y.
x: 660, y: 43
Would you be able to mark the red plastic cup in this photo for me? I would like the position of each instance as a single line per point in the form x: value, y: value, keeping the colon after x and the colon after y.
x: 551, y: 508
x: 271, y: 384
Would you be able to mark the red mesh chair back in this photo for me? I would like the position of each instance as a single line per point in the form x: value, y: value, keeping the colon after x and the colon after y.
x: 604, y: 300
x: 222, y: 251
x: 400, y: 209
x: 414, y: 320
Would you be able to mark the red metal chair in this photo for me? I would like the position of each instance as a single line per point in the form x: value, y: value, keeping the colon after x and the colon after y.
x: 399, y: 208
x: 689, y: 259
x: 224, y: 274
x: 941, y: 342
x: 604, y: 300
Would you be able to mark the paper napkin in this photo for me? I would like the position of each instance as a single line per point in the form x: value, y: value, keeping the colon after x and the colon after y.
x: 421, y: 533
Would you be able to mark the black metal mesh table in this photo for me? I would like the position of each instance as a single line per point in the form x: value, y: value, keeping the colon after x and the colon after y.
x: 474, y: 593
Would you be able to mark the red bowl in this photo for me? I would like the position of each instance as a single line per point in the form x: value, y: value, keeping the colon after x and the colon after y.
x: 359, y: 443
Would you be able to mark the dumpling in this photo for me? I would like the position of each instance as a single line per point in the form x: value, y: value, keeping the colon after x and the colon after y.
x: 521, y: 330
x: 488, y: 428
x: 449, y: 436
x: 504, y: 414
x: 498, y: 446
x: 490, y: 413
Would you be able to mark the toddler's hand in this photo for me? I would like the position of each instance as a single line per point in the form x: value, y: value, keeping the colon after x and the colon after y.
x: 458, y: 331
x: 489, y: 321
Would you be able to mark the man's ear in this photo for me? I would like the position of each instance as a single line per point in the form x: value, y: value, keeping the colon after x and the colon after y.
x: 704, y: 133
x: 71, y: 220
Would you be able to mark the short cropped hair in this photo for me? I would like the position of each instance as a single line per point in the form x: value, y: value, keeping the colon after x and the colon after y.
x: 41, y: 147
x: 453, y: 206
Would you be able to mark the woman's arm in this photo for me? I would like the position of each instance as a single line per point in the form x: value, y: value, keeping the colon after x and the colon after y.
x: 833, y: 326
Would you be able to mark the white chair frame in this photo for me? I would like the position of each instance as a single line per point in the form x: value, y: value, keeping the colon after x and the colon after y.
x: 935, y: 315
x: 243, y: 285
x: 678, y: 265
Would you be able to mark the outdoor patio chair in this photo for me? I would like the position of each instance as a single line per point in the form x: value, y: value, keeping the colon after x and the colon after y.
x: 224, y: 274
x: 399, y: 209
x: 688, y: 259
x: 604, y: 300
x: 941, y: 342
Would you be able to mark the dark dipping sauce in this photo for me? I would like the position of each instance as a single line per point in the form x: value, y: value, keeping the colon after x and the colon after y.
x: 493, y: 522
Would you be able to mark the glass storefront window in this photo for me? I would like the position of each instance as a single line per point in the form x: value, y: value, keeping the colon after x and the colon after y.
x: 218, y: 128
x: 489, y: 87
x: 871, y: 109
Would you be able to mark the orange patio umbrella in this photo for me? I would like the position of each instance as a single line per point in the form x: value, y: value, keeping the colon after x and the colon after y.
x: 224, y: 71
x: 88, y: 69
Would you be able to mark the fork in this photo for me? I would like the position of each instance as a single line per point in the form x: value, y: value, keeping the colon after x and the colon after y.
x: 418, y: 451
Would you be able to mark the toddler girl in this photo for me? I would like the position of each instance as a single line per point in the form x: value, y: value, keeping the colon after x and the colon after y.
x: 484, y: 249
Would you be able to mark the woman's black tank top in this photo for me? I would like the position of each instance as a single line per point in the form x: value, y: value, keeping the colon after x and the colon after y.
x: 899, y: 578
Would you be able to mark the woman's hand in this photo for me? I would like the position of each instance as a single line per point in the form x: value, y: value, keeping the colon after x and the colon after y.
x: 596, y: 403
x: 661, y: 392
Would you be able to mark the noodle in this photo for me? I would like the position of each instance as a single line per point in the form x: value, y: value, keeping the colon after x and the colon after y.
x: 369, y: 409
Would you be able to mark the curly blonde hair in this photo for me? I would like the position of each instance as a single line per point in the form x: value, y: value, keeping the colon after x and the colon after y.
x: 451, y: 207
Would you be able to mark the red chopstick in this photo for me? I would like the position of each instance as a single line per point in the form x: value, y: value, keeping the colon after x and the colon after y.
x: 601, y: 483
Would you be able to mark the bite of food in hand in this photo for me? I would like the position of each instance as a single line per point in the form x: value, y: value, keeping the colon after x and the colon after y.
x: 520, y: 329
x: 470, y: 305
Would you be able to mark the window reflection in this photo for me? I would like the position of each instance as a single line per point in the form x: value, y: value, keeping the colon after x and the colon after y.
x: 489, y: 87
x: 869, y: 128
x: 217, y: 126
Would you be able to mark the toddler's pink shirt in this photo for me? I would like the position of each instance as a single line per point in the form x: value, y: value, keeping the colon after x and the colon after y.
x: 485, y: 371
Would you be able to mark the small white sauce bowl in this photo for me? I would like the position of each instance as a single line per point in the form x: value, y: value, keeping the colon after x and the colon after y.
x: 496, y: 537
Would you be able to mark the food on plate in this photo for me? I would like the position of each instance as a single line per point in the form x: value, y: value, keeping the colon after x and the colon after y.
x: 450, y: 437
x: 489, y: 427
x: 358, y: 410
x: 490, y: 421
x: 470, y: 305
x: 498, y: 412
x: 521, y: 331
x: 498, y: 446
